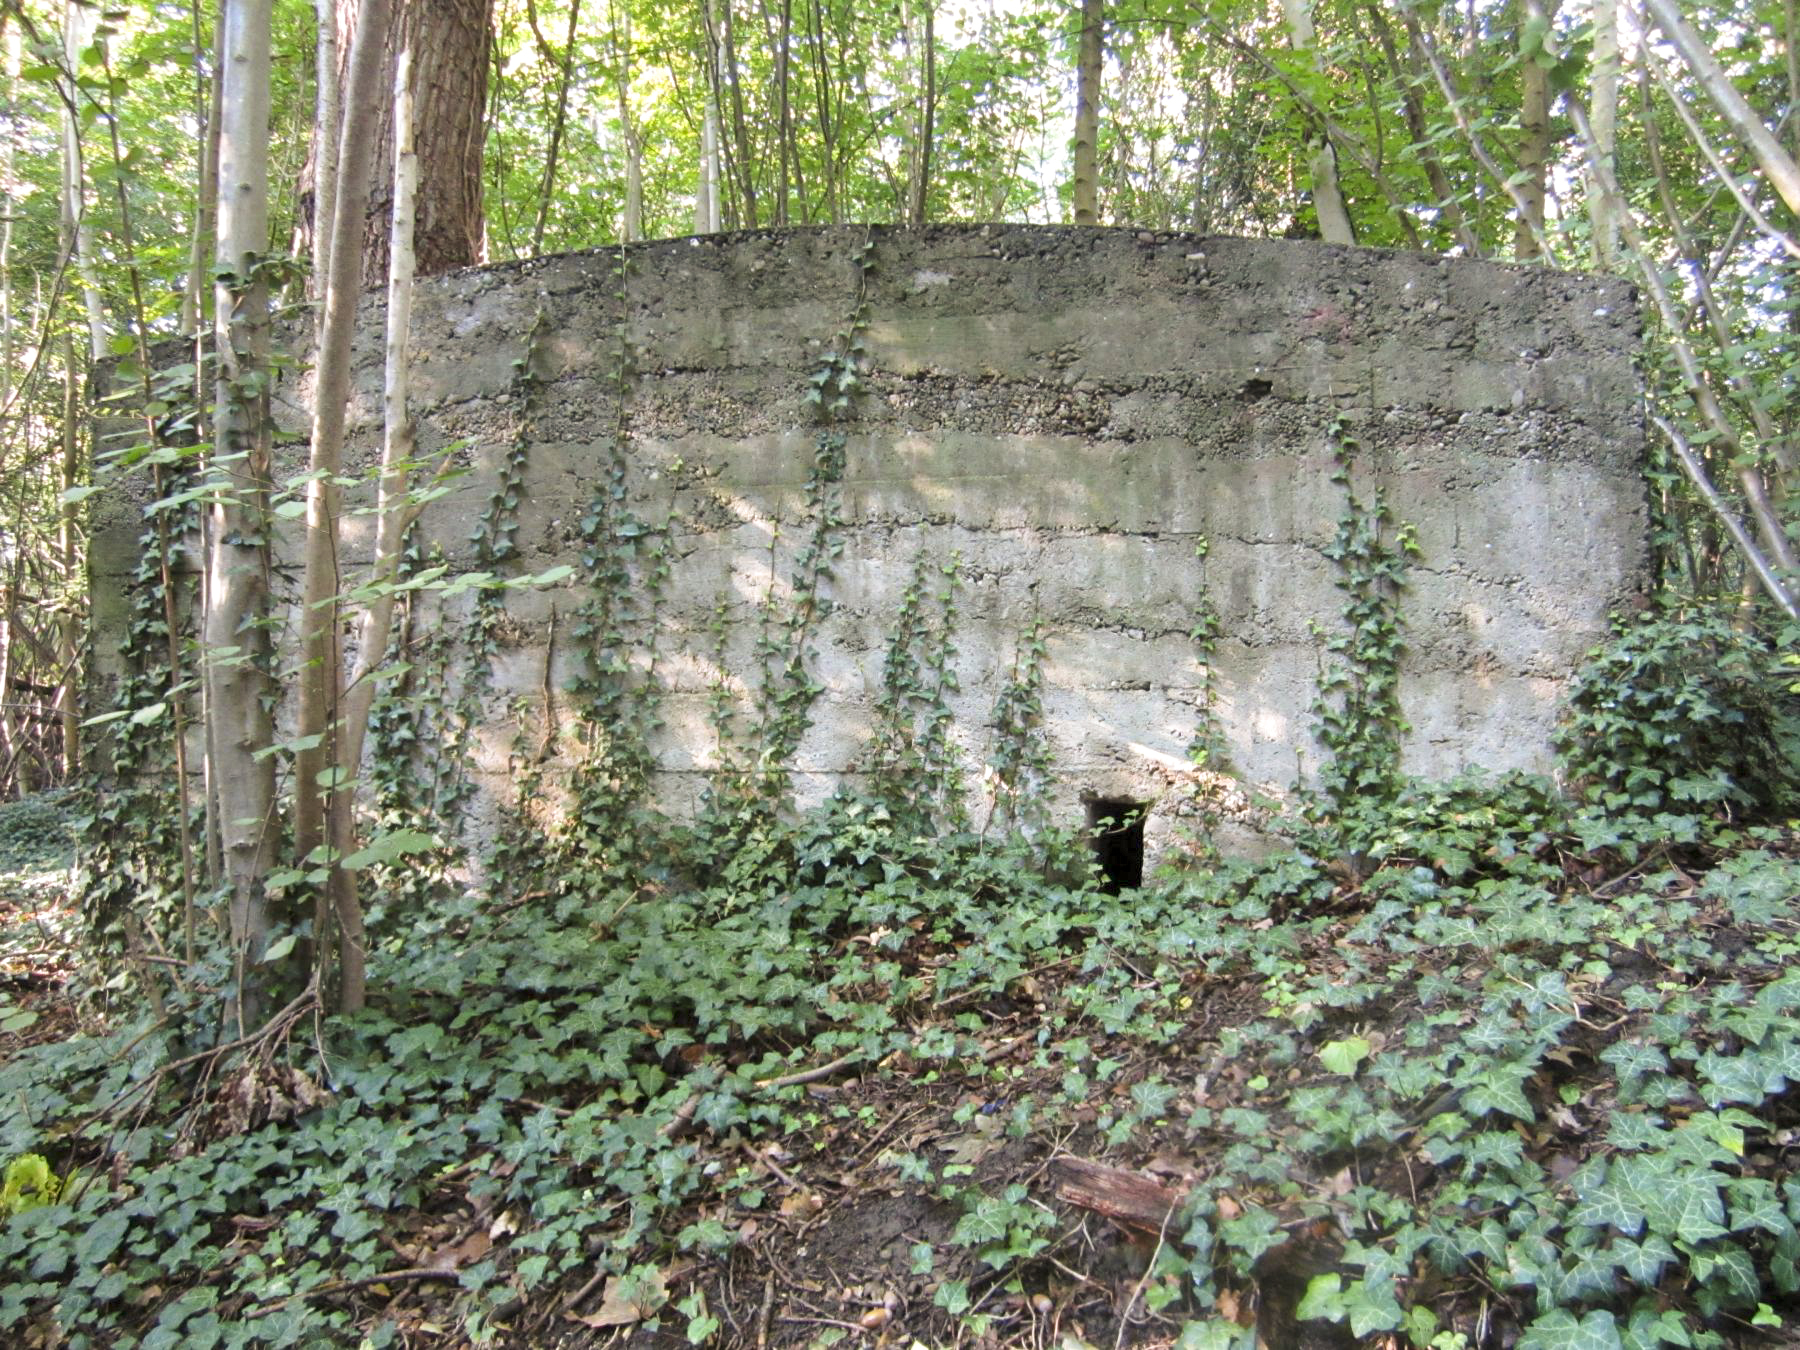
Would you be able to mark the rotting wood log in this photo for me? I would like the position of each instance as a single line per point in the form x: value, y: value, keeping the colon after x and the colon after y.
x: 1119, y: 1194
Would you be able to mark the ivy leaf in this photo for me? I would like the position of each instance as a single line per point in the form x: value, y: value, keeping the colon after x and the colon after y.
x: 1681, y: 1202
x: 1729, y: 1268
x: 1215, y: 1334
x: 1634, y: 1130
x: 985, y: 1224
x: 1610, y: 1204
x: 1558, y: 1330
x: 1735, y: 1078
x: 1643, y: 1261
x: 1500, y: 1088
x: 96, y: 1246
x: 1324, y: 1298
x: 1755, y: 1205
x: 1651, y: 1327
x: 1372, y: 1307
x: 1592, y: 1272
x: 394, y: 844
x: 1342, y: 1057
x: 1252, y: 1234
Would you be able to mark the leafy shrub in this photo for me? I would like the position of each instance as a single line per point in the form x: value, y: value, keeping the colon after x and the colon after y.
x: 1682, y: 709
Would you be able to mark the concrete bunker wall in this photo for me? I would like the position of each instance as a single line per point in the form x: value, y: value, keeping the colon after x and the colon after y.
x: 1070, y: 411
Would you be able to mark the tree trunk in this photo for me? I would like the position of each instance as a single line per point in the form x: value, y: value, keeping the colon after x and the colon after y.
x: 9, y: 605
x: 547, y: 185
x: 744, y: 157
x: 779, y: 40
x: 1327, y: 194
x: 1089, y: 57
x: 397, y: 441
x: 200, y: 242
x: 1408, y: 73
x: 78, y: 31
x: 921, y: 33
x: 321, y: 656
x: 392, y: 517
x: 15, y: 52
x: 451, y: 43
x: 631, y: 224
x: 328, y: 117
x: 235, y: 641
x: 68, y: 548
x: 1534, y: 127
x: 829, y: 127
x: 1603, y: 117
x: 707, y: 208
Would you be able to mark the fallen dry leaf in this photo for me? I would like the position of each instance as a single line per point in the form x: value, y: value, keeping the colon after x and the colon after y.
x: 471, y: 1248
x: 627, y: 1301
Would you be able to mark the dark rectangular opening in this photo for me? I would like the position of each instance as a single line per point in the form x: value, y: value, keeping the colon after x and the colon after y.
x: 1116, y: 828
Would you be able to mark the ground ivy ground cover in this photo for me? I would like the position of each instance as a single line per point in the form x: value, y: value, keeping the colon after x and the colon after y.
x: 1513, y: 1086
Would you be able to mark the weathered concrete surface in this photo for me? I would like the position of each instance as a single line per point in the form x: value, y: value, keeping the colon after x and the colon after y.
x: 1070, y: 411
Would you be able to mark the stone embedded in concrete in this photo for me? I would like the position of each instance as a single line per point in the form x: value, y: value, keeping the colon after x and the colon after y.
x: 1069, y: 412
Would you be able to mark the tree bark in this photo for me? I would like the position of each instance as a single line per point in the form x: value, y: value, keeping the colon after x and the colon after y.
x: 743, y: 158
x: 921, y: 32
x: 451, y: 43
x: 200, y: 242
x: 397, y: 440
x: 235, y: 641
x: 15, y: 51
x: 1090, y: 54
x: 1321, y: 165
x: 78, y: 31
x: 321, y: 656
x: 391, y: 521
x: 778, y: 40
x: 707, y: 207
x: 1776, y: 545
x: 1603, y: 117
x: 68, y: 547
x: 1534, y: 128
x: 328, y: 117
x: 631, y: 223
x: 830, y: 127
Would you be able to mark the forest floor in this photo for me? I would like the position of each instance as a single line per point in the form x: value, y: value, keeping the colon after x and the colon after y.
x: 1512, y: 1088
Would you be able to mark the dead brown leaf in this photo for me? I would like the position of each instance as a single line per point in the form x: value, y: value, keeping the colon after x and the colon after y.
x: 628, y: 1301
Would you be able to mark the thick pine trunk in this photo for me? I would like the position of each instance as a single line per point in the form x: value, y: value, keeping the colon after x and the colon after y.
x: 451, y: 43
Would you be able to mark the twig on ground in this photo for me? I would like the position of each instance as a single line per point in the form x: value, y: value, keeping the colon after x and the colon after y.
x: 811, y: 1075
x: 266, y: 1307
x: 767, y: 1311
